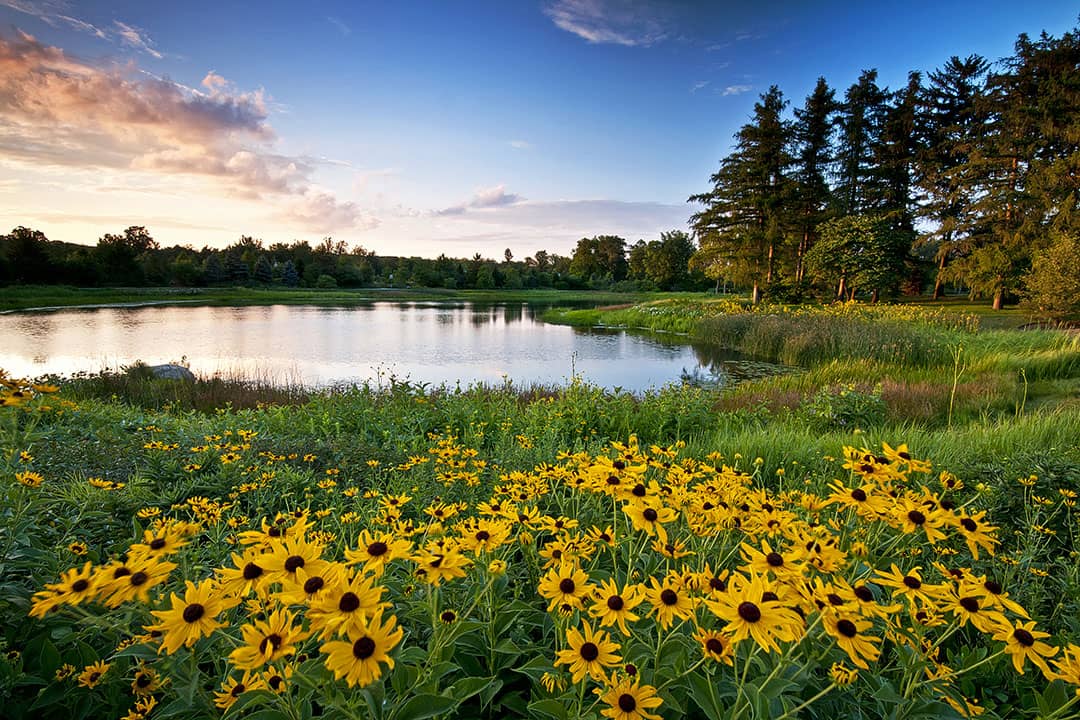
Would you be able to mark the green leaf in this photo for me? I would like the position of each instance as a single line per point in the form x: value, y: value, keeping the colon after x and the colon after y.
x: 705, y: 696
x: 467, y: 687
x: 425, y: 706
x: 548, y: 709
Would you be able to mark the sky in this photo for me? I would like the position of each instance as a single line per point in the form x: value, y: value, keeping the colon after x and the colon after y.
x: 421, y: 128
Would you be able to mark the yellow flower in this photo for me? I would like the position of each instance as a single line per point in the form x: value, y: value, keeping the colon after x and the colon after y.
x: 627, y: 700
x: 191, y: 617
x: 669, y: 601
x: 715, y: 645
x: 29, y: 479
x: 375, y: 550
x: 92, y: 674
x: 749, y: 614
x: 267, y: 640
x: 612, y: 607
x: 232, y: 689
x: 848, y: 632
x: 358, y: 661
x: 588, y: 654
x: 566, y: 584
x: 1023, y: 642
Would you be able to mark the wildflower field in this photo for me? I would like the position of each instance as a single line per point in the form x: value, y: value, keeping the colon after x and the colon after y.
x: 403, y: 553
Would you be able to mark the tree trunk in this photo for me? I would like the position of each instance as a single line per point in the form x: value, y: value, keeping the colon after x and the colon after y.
x: 841, y: 289
x: 939, y: 284
x: 999, y: 297
x: 874, y: 297
x: 769, y: 270
x: 851, y: 293
x: 717, y: 284
x: 755, y: 296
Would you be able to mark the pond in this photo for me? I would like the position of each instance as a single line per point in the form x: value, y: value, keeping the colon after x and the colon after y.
x: 427, y: 342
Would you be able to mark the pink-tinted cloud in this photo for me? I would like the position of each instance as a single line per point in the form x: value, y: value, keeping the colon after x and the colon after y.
x: 492, y: 197
x: 60, y: 110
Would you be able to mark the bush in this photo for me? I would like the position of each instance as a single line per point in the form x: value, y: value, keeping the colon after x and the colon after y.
x: 326, y: 282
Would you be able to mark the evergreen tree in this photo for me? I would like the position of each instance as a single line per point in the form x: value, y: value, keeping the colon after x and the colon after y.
x: 743, y: 223
x: 264, y: 271
x: 862, y: 117
x: 289, y: 275
x: 812, y: 134
x: 953, y: 122
x: 213, y: 270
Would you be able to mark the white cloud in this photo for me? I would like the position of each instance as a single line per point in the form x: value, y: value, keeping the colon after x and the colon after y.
x: 344, y: 29
x: 736, y: 90
x: 520, y: 144
x: 484, y: 198
x: 630, y: 23
x: 136, y: 38
x: 699, y: 85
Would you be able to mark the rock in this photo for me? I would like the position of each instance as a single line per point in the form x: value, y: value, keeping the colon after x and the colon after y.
x: 172, y: 372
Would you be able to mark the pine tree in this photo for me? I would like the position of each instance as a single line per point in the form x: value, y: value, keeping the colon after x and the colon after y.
x: 812, y: 135
x: 744, y: 222
x: 951, y: 106
x: 862, y: 115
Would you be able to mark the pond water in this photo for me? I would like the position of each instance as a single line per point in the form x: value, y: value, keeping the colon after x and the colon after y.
x: 428, y: 342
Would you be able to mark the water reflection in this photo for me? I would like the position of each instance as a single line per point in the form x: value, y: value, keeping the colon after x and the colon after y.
x: 425, y: 342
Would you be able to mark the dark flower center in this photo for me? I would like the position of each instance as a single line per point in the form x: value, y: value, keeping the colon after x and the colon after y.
x: 717, y: 584
x: 992, y: 587
x: 143, y: 680
x: 80, y: 585
x: 968, y: 524
x: 138, y: 578
x: 252, y: 571
x: 121, y: 572
x: 363, y: 648
x: 749, y: 612
x: 293, y: 562
x: 615, y: 603
x: 916, y: 517
x: 859, y: 494
x: 714, y: 646
x: 627, y: 703
x: 970, y: 604
x: 377, y: 548
x: 448, y: 616
x: 157, y: 543
x: 847, y: 628
x: 1023, y: 637
x: 238, y: 690
x: 612, y: 480
x: 774, y: 559
x: 274, y: 641
x: 864, y: 593
x: 275, y: 681
x: 769, y: 596
x: 483, y: 536
x: 834, y: 599
x: 912, y: 582
x: 669, y: 597
x: 649, y: 514
x: 348, y: 602
x: 314, y: 585
x: 274, y: 532
x: 566, y: 586
x: 619, y: 465
x: 639, y: 491
x: 589, y: 652
x: 193, y: 612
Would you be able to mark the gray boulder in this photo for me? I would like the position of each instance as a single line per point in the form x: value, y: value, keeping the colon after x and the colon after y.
x: 172, y: 372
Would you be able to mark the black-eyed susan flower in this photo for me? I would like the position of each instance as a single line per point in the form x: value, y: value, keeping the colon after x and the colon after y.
x: 192, y: 617
x: 249, y: 574
x: 669, y: 601
x: 588, y: 654
x: 375, y: 550
x: 78, y: 547
x: 76, y: 585
x: 92, y: 675
x: 435, y: 563
x: 119, y: 583
x: 715, y: 645
x: 265, y: 641
x: 910, y: 585
x: 976, y: 532
x: 565, y: 584
x: 1067, y: 667
x: 30, y: 479
x: 288, y: 556
x: 307, y: 587
x: 145, y: 682
x: 749, y: 614
x: 626, y: 699
x: 612, y: 606
x: 345, y: 607
x: 1023, y: 642
x: 233, y: 688
x: 360, y: 659
x: 848, y: 631
x: 650, y: 516
x: 842, y: 675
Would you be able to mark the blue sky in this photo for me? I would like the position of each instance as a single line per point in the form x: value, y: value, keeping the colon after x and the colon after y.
x: 420, y: 128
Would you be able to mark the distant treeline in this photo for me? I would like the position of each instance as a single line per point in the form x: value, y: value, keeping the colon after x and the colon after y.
x: 133, y: 258
x: 974, y: 167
